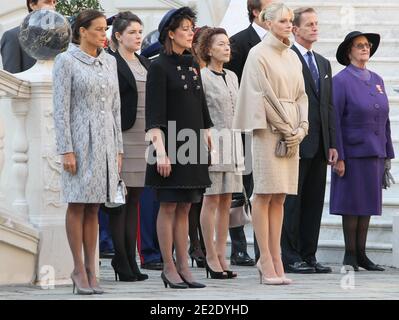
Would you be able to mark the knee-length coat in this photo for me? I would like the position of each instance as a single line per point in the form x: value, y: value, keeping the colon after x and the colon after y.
x: 87, y: 123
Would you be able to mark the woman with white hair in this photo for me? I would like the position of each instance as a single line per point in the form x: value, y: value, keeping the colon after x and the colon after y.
x: 273, y: 105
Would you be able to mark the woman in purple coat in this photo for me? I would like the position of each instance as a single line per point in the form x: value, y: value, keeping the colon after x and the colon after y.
x: 364, y: 145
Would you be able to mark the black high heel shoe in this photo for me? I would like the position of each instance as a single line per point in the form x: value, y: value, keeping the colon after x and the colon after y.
x: 197, y: 256
x: 230, y: 274
x: 350, y: 260
x: 124, y: 274
x: 192, y: 285
x: 214, y: 274
x: 166, y: 282
x: 199, y: 261
x: 135, y: 269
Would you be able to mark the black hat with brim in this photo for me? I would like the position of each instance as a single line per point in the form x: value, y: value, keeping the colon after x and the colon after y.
x: 342, y: 51
x: 167, y: 19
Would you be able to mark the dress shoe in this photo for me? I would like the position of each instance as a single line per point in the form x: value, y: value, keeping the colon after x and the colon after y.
x: 152, y: 266
x: 299, y: 267
x: 319, y: 267
x: 275, y: 281
x: 241, y: 259
x: 350, y: 260
x: 80, y: 290
x: 166, y: 282
x: 192, y: 285
x: 369, y: 265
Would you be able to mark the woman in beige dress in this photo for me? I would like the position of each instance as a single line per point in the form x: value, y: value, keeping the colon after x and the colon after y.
x: 127, y: 30
x: 273, y: 105
x: 220, y: 88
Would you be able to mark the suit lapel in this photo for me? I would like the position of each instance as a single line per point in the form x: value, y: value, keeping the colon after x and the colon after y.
x: 253, y: 38
x: 306, y: 71
x: 322, y: 73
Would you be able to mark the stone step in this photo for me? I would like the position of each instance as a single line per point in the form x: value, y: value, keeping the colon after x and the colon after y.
x: 303, y: 3
x: 393, y: 106
x: 328, y: 47
x: 383, y: 66
x: 350, y: 13
x: 335, y: 29
x: 332, y: 251
x: 380, y: 230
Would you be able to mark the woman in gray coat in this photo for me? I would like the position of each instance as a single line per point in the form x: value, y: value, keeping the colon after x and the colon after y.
x: 88, y: 136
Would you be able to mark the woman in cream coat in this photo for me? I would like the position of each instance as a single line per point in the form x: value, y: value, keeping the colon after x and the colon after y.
x: 272, y: 103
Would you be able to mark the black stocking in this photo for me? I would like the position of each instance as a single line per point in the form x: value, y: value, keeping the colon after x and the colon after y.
x: 362, y: 229
x: 350, y: 224
x: 117, y: 228
x: 196, y: 240
x: 131, y: 221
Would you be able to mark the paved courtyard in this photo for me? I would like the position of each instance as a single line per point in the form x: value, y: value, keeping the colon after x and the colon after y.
x: 359, y: 285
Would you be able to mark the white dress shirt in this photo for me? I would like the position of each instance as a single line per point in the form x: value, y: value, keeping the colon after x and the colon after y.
x: 259, y: 30
x: 304, y: 53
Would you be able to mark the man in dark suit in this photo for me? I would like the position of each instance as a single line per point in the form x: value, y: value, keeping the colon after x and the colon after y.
x: 241, y: 44
x: 302, y: 213
x: 14, y: 58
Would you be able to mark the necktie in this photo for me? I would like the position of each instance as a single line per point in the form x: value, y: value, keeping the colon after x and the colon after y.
x: 313, y: 70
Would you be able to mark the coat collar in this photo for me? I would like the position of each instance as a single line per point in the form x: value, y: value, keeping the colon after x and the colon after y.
x: 84, y: 57
x: 185, y: 59
x: 271, y: 40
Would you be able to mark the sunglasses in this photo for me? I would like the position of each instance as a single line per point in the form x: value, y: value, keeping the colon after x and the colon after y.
x: 361, y: 46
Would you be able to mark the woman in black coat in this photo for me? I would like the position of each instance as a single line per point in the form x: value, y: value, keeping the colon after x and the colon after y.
x: 175, y: 102
x: 127, y: 31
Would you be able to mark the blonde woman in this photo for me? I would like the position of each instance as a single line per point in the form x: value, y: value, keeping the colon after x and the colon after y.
x: 272, y: 103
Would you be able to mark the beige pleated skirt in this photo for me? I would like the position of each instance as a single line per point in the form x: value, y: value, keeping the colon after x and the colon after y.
x: 272, y: 175
x: 134, y: 145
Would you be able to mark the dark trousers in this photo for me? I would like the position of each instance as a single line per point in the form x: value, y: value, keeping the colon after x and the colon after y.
x: 148, y: 245
x: 302, y: 213
x: 237, y: 235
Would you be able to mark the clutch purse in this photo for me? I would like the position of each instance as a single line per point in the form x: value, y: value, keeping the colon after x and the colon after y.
x: 120, y: 197
x: 240, y: 212
x: 281, y: 149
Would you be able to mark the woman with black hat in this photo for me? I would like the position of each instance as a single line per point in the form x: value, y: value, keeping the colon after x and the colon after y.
x: 364, y: 145
x: 179, y: 169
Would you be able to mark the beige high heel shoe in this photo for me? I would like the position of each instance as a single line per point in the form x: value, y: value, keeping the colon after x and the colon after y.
x: 268, y: 281
x: 79, y: 290
x: 286, y: 280
x: 96, y: 289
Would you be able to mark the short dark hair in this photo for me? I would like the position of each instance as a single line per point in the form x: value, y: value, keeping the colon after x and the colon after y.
x: 298, y: 14
x: 29, y: 2
x: 205, y: 42
x: 83, y: 20
x: 251, y: 6
x: 121, y: 21
x: 187, y: 14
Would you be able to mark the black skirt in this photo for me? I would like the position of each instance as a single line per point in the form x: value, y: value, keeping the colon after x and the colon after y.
x: 179, y: 195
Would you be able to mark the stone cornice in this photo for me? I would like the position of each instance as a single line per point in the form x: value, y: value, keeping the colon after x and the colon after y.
x: 14, y: 87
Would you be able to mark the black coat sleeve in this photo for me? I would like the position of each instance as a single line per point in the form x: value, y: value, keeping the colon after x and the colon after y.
x: 156, y: 98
